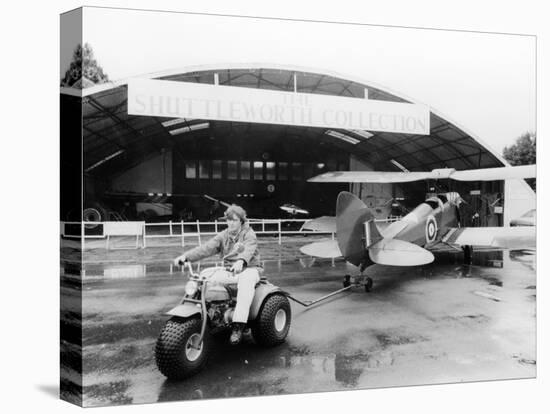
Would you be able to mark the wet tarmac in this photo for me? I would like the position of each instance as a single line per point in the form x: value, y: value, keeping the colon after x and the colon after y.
x: 435, y: 324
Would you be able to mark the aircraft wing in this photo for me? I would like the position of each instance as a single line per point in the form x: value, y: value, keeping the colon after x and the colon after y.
x: 498, y: 237
x: 483, y: 174
x: 370, y: 177
x: 326, y: 249
x: 493, y: 174
x: 325, y: 224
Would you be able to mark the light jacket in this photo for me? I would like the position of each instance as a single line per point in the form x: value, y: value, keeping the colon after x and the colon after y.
x: 243, y: 245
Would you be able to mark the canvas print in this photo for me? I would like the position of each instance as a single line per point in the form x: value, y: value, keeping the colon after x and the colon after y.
x: 253, y: 206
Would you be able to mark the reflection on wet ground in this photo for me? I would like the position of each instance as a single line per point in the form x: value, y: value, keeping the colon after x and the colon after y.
x: 275, y: 263
x: 433, y: 324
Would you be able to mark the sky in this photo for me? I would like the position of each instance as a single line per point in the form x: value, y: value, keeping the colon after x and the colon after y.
x: 484, y: 83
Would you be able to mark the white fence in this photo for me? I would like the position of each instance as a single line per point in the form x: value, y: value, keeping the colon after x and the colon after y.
x: 104, y: 230
x: 179, y: 231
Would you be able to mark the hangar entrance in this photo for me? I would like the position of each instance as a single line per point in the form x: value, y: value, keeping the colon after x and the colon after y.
x: 160, y: 167
x: 258, y: 166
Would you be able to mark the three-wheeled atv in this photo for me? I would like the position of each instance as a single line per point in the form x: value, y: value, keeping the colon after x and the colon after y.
x: 207, y: 310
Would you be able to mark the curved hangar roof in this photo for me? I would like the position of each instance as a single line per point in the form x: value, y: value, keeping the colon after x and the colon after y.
x: 115, y: 141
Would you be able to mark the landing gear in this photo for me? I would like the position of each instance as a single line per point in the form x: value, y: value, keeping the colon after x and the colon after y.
x: 468, y: 251
x: 347, y: 281
x: 368, y: 284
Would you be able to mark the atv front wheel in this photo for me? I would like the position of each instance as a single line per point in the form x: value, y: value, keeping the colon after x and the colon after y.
x: 177, y: 352
x: 273, y: 321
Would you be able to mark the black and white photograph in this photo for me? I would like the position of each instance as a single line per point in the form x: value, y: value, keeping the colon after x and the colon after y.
x: 261, y: 207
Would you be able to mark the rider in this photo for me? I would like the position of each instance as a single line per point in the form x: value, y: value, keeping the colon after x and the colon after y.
x: 238, y: 247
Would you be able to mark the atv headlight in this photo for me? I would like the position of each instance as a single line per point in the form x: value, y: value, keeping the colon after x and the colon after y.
x: 191, y: 288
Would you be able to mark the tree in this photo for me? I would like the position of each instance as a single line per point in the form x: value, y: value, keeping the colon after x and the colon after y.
x: 84, y: 70
x: 523, y: 152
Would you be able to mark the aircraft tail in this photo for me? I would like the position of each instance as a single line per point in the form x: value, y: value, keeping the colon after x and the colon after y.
x: 354, y: 221
x: 361, y: 243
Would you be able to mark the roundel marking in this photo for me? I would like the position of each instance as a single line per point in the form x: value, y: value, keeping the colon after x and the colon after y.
x: 431, y: 229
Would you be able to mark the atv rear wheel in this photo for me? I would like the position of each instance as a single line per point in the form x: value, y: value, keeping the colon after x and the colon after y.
x: 273, y: 321
x: 177, y: 353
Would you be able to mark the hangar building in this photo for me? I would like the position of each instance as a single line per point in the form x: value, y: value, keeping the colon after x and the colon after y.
x: 148, y: 167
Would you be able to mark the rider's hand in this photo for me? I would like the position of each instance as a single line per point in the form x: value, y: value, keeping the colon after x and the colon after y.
x: 180, y: 260
x: 237, y: 266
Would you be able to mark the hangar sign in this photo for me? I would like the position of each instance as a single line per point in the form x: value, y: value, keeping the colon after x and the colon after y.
x: 162, y: 98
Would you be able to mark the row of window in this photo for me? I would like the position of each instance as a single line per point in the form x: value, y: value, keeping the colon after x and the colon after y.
x: 257, y: 170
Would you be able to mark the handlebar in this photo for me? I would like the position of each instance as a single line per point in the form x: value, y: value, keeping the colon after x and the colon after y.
x: 187, y: 265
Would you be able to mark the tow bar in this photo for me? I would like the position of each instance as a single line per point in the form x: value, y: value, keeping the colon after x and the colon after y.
x: 347, y: 285
x: 308, y: 303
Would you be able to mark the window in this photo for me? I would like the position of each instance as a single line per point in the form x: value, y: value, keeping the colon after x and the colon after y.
x: 270, y: 171
x: 343, y: 137
x: 245, y: 170
x: 232, y: 168
x: 190, y: 169
x: 283, y: 171
x: 186, y: 129
x: 308, y: 169
x: 258, y: 170
x: 216, y: 169
x: 204, y: 169
x: 104, y: 160
x: 297, y: 171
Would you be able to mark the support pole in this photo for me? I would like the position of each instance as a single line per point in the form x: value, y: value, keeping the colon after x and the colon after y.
x: 182, y: 235
x: 199, y: 232
x: 82, y: 235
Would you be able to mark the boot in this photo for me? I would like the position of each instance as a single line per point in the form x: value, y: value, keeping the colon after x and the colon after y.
x: 236, y: 333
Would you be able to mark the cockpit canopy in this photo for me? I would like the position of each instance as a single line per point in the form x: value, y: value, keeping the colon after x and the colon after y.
x: 440, y: 199
x: 433, y: 202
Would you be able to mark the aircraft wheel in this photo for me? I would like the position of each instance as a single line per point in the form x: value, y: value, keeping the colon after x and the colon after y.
x: 347, y: 281
x: 468, y: 251
x: 368, y: 284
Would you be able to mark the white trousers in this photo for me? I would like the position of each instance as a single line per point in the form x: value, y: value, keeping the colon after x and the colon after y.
x: 246, y: 281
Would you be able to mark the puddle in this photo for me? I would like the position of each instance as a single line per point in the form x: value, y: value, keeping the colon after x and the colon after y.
x: 487, y: 296
x: 112, y: 393
x: 288, y: 374
x: 387, y: 340
x: 125, y: 272
x: 132, y: 266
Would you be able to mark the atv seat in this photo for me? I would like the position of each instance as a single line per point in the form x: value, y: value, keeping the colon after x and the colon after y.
x: 232, y: 287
